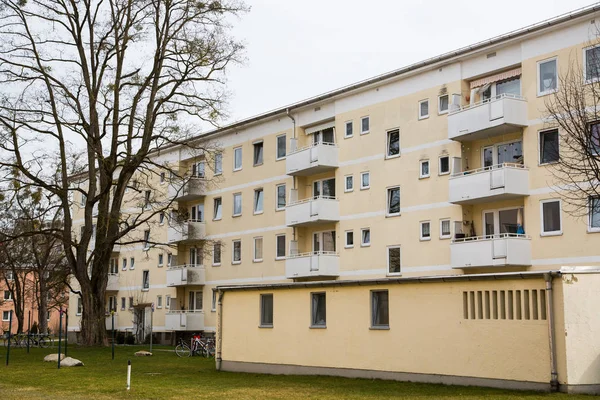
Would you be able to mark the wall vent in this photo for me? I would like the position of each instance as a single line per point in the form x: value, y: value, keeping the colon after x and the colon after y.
x: 528, y: 304
x: 490, y: 55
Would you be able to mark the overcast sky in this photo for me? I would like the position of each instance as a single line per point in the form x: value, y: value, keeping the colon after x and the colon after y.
x: 298, y: 49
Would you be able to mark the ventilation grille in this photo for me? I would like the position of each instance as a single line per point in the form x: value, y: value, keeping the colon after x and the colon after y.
x: 505, y: 304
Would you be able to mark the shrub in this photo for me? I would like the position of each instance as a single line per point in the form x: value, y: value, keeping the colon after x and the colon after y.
x: 129, y: 339
x: 120, y: 338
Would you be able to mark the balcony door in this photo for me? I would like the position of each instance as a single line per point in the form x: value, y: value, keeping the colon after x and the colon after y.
x: 325, y: 188
x: 194, y: 256
x: 324, y: 136
x: 510, y: 152
x: 195, y: 303
x: 324, y: 242
x: 197, y: 213
x: 496, y: 222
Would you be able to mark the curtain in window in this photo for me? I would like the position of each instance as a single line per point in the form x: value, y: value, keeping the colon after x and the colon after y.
x: 217, y: 253
x: 318, y: 309
x: 380, y: 308
x: 425, y: 168
x: 329, y: 241
x: 329, y: 188
x: 547, y: 76
x: 237, y: 204
x: 238, y: 158
x: 551, y: 212
x: 595, y: 212
x: 258, y: 249
x: 328, y: 136
x: 426, y: 230
x: 218, y: 163
x: 237, y: 251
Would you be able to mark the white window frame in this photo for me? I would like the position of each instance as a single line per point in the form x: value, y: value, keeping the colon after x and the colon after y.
x: 586, y: 81
x: 233, y: 260
x: 241, y: 205
x: 387, y: 256
x: 213, y: 307
x: 551, y: 233
x: 589, y: 218
x: 351, y: 123
x: 220, y: 217
x: 79, y: 306
x: 7, y: 313
x: 161, y: 218
x: 163, y: 178
x: 419, y: 109
x: 277, y: 257
x: 168, y: 302
x: 346, y: 189
x: 537, y: 83
x: 256, y: 196
x: 215, y: 246
x: 449, y: 235
x: 421, y: 162
x: 440, y: 173
x: 367, y: 117
x: 387, y: 201
x: 539, y: 145
x: 346, y: 245
x: 218, y: 164
x: 161, y: 260
x: 241, y: 159
x: 159, y: 301
x: 277, y: 157
x: 132, y: 263
x: 440, y: 112
x: 124, y: 264
x: 5, y: 298
x: 362, y: 243
x: 361, y: 180
x: 145, y: 273
x: 387, y: 144
x: 254, y: 259
x: 421, y: 237
x: 254, y: 144
x: 277, y: 208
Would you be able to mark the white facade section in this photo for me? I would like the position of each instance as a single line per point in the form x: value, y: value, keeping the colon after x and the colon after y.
x: 312, y: 265
x: 178, y: 320
x: 312, y: 160
x: 499, y: 182
x: 194, y: 188
x: 312, y: 211
x: 113, y: 283
x: 502, y: 250
x: 186, y: 231
x: 186, y: 275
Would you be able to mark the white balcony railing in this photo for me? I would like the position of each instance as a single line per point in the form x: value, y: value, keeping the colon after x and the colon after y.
x: 193, y: 189
x: 487, y: 118
x: 188, y: 274
x: 113, y: 282
x: 501, y: 250
x: 315, y: 210
x: 313, y: 159
x: 322, y: 264
x: 108, y: 322
x: 498, y: 182
x: 188, y: 231
x: 180, y: 320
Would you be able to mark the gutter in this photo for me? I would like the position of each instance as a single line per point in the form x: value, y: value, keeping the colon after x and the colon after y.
x: 219, y: 332
x: 551, y: 331
x: 287, y: 111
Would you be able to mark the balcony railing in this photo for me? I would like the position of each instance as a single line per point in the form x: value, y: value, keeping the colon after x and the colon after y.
x: 323, y: 264
x: 500, y: 250
x: 498, y: 182
x: 108, y: 322
x: 488, y: 118
x: 193, y: 189
x: 184, y: 320
x: 188, y: 231
x: 314, y: 210
x: 113, y: 282
x: 186, y: 274
x: 313, y: 159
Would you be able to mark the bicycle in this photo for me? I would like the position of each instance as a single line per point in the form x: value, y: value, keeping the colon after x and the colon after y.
x: 205, y: 348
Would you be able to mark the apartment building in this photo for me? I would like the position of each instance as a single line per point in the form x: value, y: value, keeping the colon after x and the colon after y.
x: 404, y: 227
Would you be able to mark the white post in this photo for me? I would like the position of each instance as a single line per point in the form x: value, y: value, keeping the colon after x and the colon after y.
x: 128, y: 374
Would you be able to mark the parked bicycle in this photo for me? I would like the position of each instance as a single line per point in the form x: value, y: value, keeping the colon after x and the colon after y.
x: 197, y: 346
x: 35, y: 340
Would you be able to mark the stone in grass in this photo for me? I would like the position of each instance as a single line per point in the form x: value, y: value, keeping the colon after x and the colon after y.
x: 71, y: 362
x: 53, y: 357
x: 142, y: 353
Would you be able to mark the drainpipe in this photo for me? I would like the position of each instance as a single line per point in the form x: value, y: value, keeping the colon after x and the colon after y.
x: 219, y: 329
x: 551, y: 334
x: 287, y: 111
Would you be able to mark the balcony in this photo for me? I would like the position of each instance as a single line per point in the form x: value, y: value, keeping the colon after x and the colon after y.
x: 182, y: 275
x: 179, y: 320
x: 498, y: 182
x: 113, y: 283
x: 312, y: 211
x: 313, y: 265
x: 489, y: 118
x: 188, y: 231
x: 503, y: 250
x: 311, y: 160
x: 108, y: 322
x: 193, y: 189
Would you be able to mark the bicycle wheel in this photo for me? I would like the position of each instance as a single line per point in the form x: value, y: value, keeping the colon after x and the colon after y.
x: 183, y: 350
x: 42, y: 343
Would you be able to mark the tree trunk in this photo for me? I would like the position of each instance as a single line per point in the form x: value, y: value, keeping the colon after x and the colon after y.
x: 42, y: 305
x: 93, y: 326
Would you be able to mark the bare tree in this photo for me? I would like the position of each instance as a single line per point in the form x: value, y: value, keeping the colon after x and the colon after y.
x: 124, y: 80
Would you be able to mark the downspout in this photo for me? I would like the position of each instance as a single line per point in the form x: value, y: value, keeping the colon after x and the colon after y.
x: 287, y: 111
x: 551, y: 334
x: 219, y: 329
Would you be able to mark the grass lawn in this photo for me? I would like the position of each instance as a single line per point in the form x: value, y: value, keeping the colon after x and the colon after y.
x: 166, y: 376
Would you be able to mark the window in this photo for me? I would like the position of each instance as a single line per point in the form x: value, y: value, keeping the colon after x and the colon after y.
x: 169, y: 259
x: 146, y: 240
x: 364, y: 125
x: 349, y: 130
x: 281, y: 146
x: 237, y: 158
x: 424, y: 169
x: 214, y: 301
x: 113, y: 266
x: 266, y: 310
x: 5, y: 315
x: 393, y: 143
x: 198, y: 170
x: 123, y: 303
x: 280, y: 247
x: 258, y: 153
x: 83, y: 200
x: 280, y: 197
x: 161, y: 218
x: 112, y: 303
x: 549, y: 146
x: 158, y: 301
x: 425, y: 230
x: 79, y: 306
x: 217, y: 254
x: 393, y: 201
x: 132, y: 263
x: 551, y: 219
x: 423, y: 109
x: 365, y: 237
x: 124, y: 268
x: 365, y: 180
x: 258, y: 201
x: 236, y: 254
x: 594, y: 145
x: 258, y: 249
x: 349, y: 239
x: 130, y: 302
x: 444, y: 167
x: 592, y: 63
x: 349, y: 182
x: 380, y: 317
x: 393, y: 259
x: 443, y: 104
x: 7, y: 295
x: 547, y: 76
x: 218, y: 164
x: 237, y: 204
x: 445, y: 229
x: 195, y: 300
x: 9, y: 275
x: 161, y: 258
x: 217, y: 209
x: 145, y: 280
x: 167, y: 302
x: 162, y: 177
x: 594, y: 214
x: 318, y: 310
x: 147, y: 195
